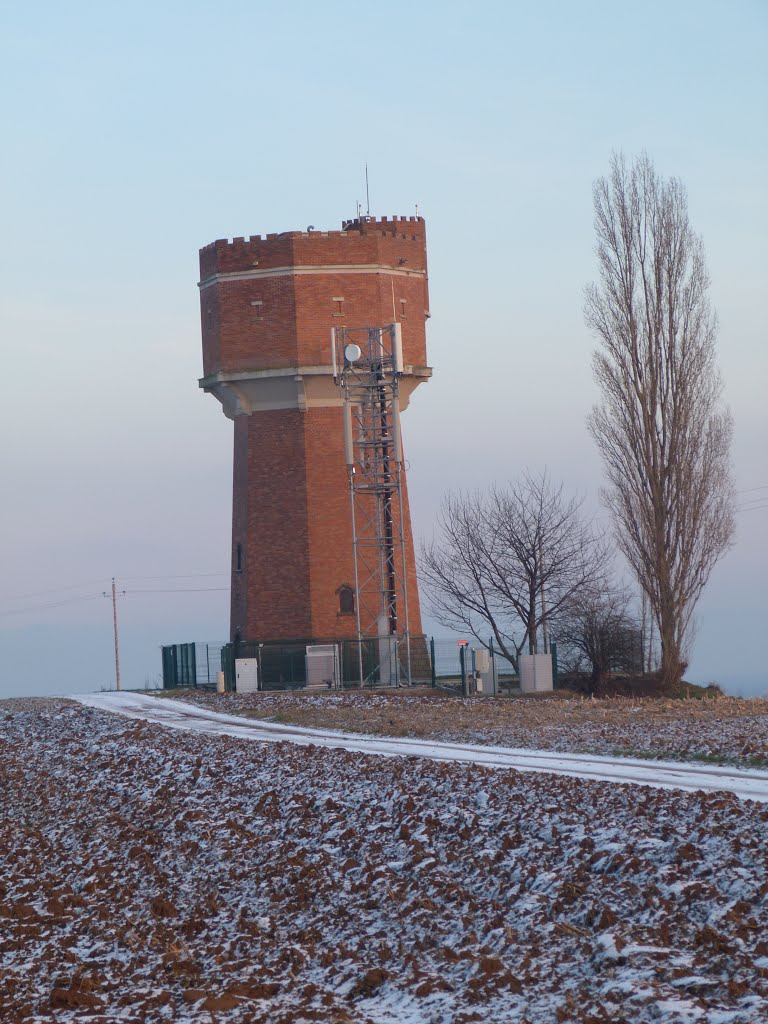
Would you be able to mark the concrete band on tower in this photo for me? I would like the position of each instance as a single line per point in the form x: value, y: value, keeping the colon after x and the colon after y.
x: 268, y: 309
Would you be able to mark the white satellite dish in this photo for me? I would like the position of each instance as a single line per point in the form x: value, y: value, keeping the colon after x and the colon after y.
x: 352, y: 353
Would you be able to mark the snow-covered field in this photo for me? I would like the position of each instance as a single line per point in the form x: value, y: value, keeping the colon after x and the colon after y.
x: 153, y: 875
x: 730, y: 730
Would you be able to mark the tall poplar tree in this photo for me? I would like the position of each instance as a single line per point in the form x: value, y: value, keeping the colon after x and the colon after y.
x: 660, y: 425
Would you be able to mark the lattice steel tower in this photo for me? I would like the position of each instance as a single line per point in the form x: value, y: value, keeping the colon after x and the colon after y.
x: 368, y: 364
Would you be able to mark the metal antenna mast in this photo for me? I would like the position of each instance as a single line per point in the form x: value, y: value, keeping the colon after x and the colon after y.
x: 367, y: 364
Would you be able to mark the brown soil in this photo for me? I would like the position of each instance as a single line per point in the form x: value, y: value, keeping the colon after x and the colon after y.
x: 153, y: 876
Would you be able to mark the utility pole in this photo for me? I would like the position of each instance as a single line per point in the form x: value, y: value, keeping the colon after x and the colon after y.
x: 114, y: 620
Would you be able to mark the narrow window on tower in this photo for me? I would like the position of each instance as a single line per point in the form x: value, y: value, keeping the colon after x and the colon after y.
x: 239, y: 558
x: 402, y: 309
x: 346, y: 600
x: 338, y: 306
x: 257, y: 307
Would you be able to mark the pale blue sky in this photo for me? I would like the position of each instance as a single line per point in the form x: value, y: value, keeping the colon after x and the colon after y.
x: 132, y: 135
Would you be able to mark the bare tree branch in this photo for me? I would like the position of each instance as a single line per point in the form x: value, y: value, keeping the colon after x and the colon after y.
x: 596, y: 626
x: 660, y: 427
x: 495, y: 553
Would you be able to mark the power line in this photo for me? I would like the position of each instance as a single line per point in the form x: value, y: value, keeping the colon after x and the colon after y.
x: 178, y: 590
x: 54, y: 590
x: 90, y: 597
x: 103, y: 581
x: 52, y: 604
x: 187, y: 576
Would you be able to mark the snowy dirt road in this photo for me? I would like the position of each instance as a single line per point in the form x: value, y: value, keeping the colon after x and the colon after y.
x: 748, y: 784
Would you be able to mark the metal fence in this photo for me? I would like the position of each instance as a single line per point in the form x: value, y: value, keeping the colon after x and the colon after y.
x: 452, y: 671
x: 194, y: 664
x: 371, y: 662
x: 283, y: 666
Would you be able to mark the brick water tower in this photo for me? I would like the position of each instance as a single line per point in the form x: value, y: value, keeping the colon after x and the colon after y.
x: 278, y: 314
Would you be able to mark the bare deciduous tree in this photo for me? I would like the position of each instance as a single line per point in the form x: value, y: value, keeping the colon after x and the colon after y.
x: 661, y: 429
x: 497, y: 554
x: 597, y: 626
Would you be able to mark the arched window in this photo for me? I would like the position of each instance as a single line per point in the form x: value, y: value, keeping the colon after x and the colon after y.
x: 346, y: 600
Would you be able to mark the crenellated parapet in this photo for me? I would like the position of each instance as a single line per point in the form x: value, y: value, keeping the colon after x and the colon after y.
x: 268, y: 303
x: 397, y: 242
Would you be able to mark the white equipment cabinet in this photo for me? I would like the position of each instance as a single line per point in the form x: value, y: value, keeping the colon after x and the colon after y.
x: 535, y: 672
x: 246, y: 675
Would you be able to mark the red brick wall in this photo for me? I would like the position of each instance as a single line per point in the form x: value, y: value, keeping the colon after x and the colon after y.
x: 237, y: 618
x: 329, y: 522
x: 277, y: 604
x: 291, y: 514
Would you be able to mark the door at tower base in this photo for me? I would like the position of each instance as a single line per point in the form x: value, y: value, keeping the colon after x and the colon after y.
x: 323, y: 666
